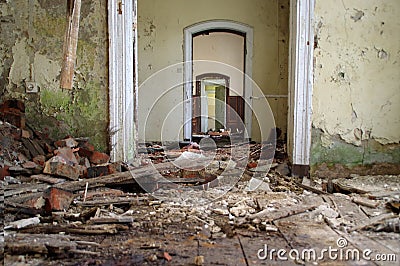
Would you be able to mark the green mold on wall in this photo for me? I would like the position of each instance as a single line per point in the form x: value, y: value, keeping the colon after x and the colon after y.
x: 83, y: 112
x: 80, y: 112
x: 341, y: 152
x: 49, y: 26
x: 86, y: 52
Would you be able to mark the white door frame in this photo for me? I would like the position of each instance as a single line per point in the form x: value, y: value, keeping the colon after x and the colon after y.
x: 301, y: 56
x: 204, y: 103
x: 123, y: 86
x: 188, y: 68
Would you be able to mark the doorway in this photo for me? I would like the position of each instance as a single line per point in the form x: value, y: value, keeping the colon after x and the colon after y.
x: 232, y: 59
x: 210, y: 98
x: 300, y: 76
x: 220, y: 79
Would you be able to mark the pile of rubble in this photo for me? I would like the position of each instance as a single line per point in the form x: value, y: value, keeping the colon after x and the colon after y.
x: 27, y: 151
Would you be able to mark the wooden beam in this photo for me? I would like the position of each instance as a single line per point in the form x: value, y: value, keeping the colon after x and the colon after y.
x: 70, y: 44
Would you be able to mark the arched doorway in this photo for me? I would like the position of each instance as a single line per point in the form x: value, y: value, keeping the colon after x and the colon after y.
x: 217, y: 26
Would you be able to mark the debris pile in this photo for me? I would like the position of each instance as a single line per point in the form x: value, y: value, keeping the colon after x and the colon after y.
x: 63, y: 202
x: 25, y: 151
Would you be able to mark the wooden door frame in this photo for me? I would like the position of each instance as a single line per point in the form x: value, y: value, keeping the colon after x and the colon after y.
x: 123, y: 82
x: 301, y: 48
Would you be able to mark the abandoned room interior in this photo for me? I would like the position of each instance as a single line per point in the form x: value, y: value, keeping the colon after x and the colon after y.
x: 213, y: 132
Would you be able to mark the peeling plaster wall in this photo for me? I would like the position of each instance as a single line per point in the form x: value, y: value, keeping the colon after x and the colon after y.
x: 160, y: 44
x: 356, y: 94
x: 31, y: 49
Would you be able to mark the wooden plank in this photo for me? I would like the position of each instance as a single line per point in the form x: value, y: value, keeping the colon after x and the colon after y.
x: 374, y: 220
x: 37, y: 146
x: 109, y: 201
x: 389, y: 240
x: 47, y: 179
x: 312, y: 189
x: 383, y: 194
x: 36, y: 243
x: 306, y: 235
x: 25, y: 188
x: 111, y: 220
x: 27, y: 144
x: 308, y: 204
x: 365, y: 202
x: 22, y: 223
x: 97, y: 229
x: 96, y: 182
x: 223, y: 251
x: 368, y: 242
x: 181, y: 247
x: 145, y: 175
x: 258, y: 249
x: 348, y: 210
x: 70, y: 45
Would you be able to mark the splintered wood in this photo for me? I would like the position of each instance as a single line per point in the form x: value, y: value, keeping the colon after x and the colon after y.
x: 70, y: 44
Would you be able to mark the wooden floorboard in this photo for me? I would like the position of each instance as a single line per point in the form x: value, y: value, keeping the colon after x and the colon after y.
x: 349, y: 210
x: 305, y: 232
x: 365, y: 241
x: 266, y: 242
x: 222, y: 251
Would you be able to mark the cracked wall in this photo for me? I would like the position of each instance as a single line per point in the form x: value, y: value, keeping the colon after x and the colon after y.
x: 356, y: 94
x: 31, y: 49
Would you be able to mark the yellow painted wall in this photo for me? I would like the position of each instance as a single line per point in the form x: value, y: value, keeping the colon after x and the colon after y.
x: 356, y: 95
x: 160, y: 45
x: 223, y: 47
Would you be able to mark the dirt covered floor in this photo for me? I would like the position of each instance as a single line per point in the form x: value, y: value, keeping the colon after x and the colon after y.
x: 63, y: 203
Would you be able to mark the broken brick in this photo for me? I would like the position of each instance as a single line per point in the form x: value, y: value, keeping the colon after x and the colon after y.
x: 15, y: 119
x: 67, y: 142
x: 4, y: 172
x: 35, y: 201
x: 56, y: 166
x: 84, y: 152
x: 67, y: 154
x: 98, y: 157
x: 14, y: 104
x: 25, y: 134
x: 39, y: 160
x: 86, y: 145
x: 252, y: 165
x: 57, y: 199
x: 167, y: 256
x: 13, y: 111
x: 114, y: 168
x: 191, y: 174
x: 48, y: 148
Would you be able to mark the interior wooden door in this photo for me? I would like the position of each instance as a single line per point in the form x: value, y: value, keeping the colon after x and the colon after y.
x: 235, y: 114
x: 196, y: 109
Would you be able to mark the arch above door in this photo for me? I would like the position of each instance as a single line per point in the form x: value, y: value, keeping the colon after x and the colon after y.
x: 219, y: 25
